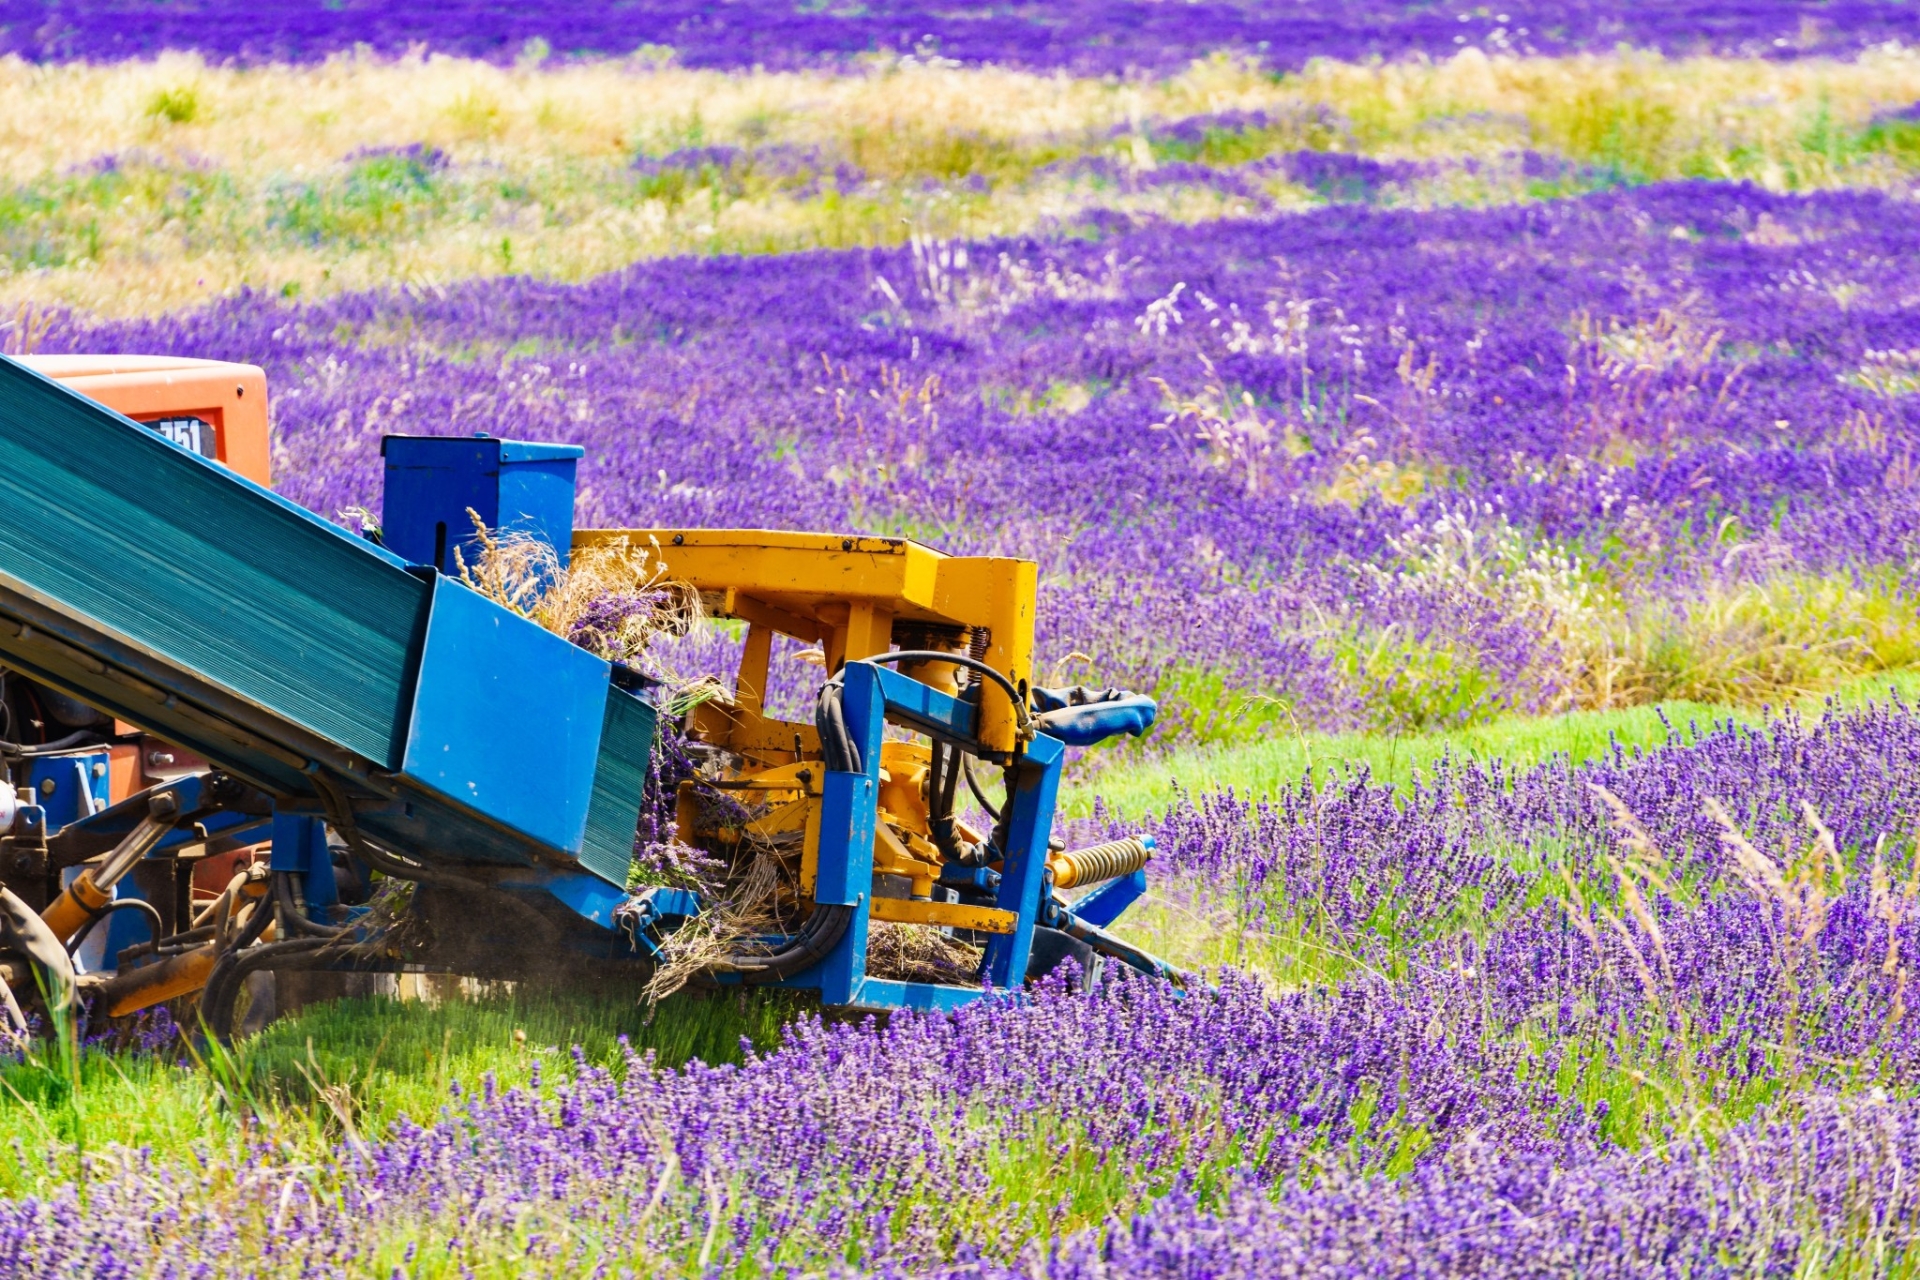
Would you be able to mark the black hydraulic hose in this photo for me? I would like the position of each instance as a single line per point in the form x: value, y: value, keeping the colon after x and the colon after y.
x: 292, y: 918
x: 1014, y: 695
x: 255, y: 926
x: 119, y: 904
x: 340, y: 818
x: 973, y: 785
x: 222, y: 991
x: 822, y: 931
x: 829, y: 717
x: 216, y: 1002
x: 830, y: 722
x: 948, y: 761
x: 944, y: 764
x: 73, y: 741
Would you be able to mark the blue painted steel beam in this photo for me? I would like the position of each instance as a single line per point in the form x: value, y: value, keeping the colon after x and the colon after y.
x: 1105, y: 904
x: 300, y: 846
x: 886, y: 993
x: 1036, y: 787
x: 189, y: 793
x: 587, y: 896
x: 845, y: 862
x: 922, y: 707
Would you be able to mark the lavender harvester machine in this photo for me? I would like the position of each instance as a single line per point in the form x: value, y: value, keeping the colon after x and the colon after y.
x: 356, y: 712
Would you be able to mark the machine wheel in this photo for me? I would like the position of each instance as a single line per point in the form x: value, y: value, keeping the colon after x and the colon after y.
x: 1051, y: 948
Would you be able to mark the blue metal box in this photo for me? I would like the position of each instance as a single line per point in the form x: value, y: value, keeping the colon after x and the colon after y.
x: 434, y: 482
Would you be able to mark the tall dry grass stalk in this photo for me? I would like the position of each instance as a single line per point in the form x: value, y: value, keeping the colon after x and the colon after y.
x: 613, y: 598
x: 538, y: 176
x: 1762, y: 633
x: 734, y: 918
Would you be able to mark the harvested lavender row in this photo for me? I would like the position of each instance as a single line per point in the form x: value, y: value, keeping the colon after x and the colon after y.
x: 1387, y: 469
x: 1668, y: 1048
x: 1088, y: 38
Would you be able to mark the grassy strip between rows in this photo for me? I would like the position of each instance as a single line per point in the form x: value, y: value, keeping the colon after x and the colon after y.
x: 350, y: 1067
x: 1136, y: 789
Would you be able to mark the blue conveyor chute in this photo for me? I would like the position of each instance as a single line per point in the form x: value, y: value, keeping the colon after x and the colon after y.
x: 213, y: 613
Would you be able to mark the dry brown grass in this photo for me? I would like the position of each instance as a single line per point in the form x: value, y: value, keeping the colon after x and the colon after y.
x: 539, y: 178
x: 613, y: 598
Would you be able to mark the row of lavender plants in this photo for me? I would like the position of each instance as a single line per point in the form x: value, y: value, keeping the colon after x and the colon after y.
x: 1087, y: 36
x: 1354, y: 467
x: 1645, y: 1017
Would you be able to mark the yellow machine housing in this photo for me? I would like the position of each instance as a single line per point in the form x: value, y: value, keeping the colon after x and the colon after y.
x: 853, y: 597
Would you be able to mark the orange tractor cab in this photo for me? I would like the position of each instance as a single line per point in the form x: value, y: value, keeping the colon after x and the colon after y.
x: 218, y: 410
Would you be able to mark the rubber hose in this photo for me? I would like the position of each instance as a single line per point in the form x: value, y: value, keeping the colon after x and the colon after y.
x: 388, y: 865
x: 223, y: 984
x: 830, y: 722
x: 822, y: 931
x: 293, y: 919
x: 973, y: 785
x: 79, y: 738
x: 1020, y: 708
x: 119, y: 904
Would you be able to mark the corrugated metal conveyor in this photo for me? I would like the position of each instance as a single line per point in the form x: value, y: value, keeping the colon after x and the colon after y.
x: 157, y: 586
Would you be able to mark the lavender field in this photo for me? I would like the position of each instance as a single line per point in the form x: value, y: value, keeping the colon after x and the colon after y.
x: 1375, y: 469
x: 1087, y: 37
x: 1569, y: 452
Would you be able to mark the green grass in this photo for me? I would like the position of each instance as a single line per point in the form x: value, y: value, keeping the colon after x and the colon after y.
x: 1138, y: 787
x: 362, y: 1063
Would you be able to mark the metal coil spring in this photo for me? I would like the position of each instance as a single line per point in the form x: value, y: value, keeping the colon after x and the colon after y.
x: 1097, y: 862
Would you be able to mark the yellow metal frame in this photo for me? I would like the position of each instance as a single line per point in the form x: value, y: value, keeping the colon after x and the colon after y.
x: 845, y: 594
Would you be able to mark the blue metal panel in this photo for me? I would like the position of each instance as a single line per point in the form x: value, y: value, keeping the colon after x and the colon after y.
x: 886, y: 993
x: 434, y: 482
x: 431, y: 485
x: 507, y: 718
x: 1036, y: 786
x: 589, y: 897
x: 847, y: 816
x: 619, y: 786
x: 1105, y: 904
x: 70, y: 788
x: 848, y: 812
x: 536, y: 492
x: 300, y: 846
x: 864, y: 702
x: 188, y: 793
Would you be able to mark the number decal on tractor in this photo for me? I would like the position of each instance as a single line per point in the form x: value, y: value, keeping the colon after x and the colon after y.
x: 195, y: 434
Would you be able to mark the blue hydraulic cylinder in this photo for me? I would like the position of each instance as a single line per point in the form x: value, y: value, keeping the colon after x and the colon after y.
x: 434, y: 482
